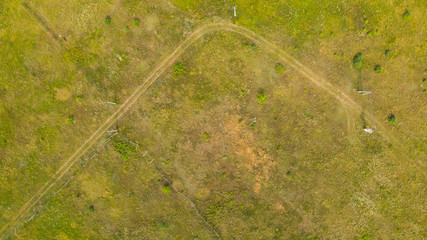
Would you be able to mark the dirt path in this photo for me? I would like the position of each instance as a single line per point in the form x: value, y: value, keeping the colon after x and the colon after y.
x: 154, y: 75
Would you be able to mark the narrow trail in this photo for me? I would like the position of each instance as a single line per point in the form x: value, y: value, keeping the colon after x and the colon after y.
x: 155, y: 74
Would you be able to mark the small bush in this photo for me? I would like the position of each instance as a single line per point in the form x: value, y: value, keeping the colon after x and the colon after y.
x: 406, y: 15
x: 166, y: 190
x: 387, y: 53
x: 91, y: 208
x: 357, y: 60
x: 392, y: 119
x: 206, y: 136
x: 279, y: 68
x: 124, y: 149
x: 378, y: 69
x: 136, y: 22
x: 179, y: 69
x: 107, y: 20
x: 261, y: 97
x: 70, y: 120
x: 163, y: 225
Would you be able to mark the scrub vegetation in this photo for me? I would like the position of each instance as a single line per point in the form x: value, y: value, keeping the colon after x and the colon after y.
x: 232, y: 140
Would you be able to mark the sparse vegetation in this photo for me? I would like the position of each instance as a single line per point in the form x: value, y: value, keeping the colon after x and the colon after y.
x: 279, y: 68
x: 378, y: 69
x: 124, y: 149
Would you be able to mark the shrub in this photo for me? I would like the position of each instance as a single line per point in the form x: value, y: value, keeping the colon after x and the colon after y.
x: 107, y: 20
x: 406, y: 15
x: 163, y: 225
x: 166, y: 190
x: 136, y: 21
x: 70, y: 119
x: 124, y: 149
x: 91, y: 208
x: 279, y: 68
x: 378, y: 69
x: 179, y: 69
x: 387, y: 53
x: 392, y: 119
x: 206, y: 136
x: 261, y: 97
x: 357, y: 60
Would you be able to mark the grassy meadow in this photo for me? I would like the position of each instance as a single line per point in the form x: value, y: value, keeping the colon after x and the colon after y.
x: 230, y: 141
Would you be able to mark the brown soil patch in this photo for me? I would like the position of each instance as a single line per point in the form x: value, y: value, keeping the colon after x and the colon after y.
x: 244, y: 143
x: 62, y: 94
x: 279, y: 207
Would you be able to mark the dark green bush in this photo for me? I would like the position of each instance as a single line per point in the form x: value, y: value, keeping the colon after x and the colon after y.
x: 392, y: 119
x: 357, y: 60
x: 387, y: 53
x: 91, y: 208
x: 407, y: 15
x: 378, y: 69
x: 107, y: 20
x: 136, y: 22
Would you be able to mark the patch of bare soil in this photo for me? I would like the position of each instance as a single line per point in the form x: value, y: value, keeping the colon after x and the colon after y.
x: 243, y: 141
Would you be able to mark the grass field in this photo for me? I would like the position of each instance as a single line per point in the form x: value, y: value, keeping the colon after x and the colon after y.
x: 231, y: 141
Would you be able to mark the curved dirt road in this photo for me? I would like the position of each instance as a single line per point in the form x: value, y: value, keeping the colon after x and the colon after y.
x: 155, y: 74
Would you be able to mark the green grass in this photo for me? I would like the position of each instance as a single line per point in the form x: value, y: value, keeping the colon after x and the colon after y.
x: 263, y: 174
